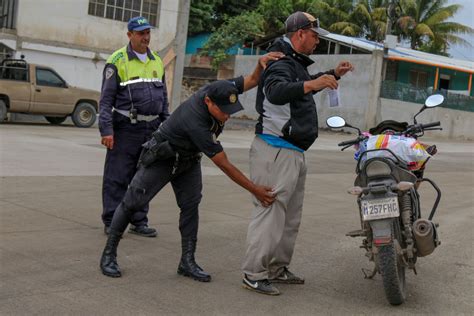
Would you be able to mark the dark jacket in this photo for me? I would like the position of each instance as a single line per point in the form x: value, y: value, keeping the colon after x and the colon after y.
x: 284, y: 109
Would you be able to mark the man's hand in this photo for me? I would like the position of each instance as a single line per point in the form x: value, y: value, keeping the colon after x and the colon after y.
x: 264, y: 194
x: 108, y: 141
x: 343, y: 68
x: 263, y: 60
x: 251, y: 81
x: 324, y: 81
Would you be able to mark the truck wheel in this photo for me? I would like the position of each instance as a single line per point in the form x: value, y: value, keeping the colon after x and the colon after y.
x: 55, y: 120
x: 3, y: 111
x: 84, y: 115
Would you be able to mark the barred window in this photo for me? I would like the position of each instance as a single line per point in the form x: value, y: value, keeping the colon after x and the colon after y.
x: 418, y: 79
x: 123, y: 10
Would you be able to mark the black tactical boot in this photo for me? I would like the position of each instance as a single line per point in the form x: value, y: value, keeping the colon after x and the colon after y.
x: 188, y: 266
x: 108, y: 262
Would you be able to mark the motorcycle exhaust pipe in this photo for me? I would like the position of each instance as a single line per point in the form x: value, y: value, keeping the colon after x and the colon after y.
x: 425, y: 237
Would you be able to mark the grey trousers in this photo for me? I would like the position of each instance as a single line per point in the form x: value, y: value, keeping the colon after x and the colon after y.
x: 273, y: 230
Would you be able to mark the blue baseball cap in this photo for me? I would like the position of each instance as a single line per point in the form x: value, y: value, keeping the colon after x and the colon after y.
x: 138, y: 23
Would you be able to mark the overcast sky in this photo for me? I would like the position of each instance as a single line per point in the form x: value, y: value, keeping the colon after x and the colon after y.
x: 464, y: 16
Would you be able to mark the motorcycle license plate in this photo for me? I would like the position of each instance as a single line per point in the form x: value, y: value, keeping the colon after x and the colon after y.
x: 379, y: 208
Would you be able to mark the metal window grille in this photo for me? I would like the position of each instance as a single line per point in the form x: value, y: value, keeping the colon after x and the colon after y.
x: 123, y: 10
x: 7, y: 13
x: 5, y: 52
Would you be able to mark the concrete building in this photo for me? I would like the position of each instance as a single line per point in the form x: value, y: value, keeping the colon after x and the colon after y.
x: 75, y: 37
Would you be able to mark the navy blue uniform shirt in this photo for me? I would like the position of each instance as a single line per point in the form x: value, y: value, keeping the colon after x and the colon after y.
x: 192, y: 128
x: 149, y: 98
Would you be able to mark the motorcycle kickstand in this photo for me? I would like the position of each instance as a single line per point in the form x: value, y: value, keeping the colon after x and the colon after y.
x: 372, y: 274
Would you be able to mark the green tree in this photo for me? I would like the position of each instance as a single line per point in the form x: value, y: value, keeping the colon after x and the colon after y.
x: 367, y: 18
x: 335, y: 15
x: 234, y: 31
x: 425, y: 24
x: 201, y: 16
x: 230, y: 8
x: 268, y: 18
x: 208, y: 15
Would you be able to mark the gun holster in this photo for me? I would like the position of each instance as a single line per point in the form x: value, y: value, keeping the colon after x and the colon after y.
x: 157, y: 148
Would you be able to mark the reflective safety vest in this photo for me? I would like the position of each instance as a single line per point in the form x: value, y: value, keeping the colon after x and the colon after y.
x: 135, y: 71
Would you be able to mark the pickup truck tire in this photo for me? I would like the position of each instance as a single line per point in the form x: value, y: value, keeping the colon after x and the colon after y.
x: 3, y: 111
x: 55, y: 120
x: 84, y: 115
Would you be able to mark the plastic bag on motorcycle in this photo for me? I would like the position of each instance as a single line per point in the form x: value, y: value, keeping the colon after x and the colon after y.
x: 408, y: 149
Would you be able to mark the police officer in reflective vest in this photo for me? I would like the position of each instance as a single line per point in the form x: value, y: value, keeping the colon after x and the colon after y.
x: 173, y: 155
x: 133, y: 104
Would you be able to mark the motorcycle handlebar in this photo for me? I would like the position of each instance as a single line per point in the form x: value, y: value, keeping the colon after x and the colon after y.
x: 434, y: 124
x: 351, y: 142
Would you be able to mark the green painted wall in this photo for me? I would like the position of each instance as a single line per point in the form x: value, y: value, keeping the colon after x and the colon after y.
x: 458, y: 81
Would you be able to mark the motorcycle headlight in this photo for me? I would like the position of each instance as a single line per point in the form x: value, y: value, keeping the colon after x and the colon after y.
x: 377, y: 168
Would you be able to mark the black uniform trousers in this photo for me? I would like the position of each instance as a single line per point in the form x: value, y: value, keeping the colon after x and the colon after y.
x: 148, y: 181
x: 121, y: 165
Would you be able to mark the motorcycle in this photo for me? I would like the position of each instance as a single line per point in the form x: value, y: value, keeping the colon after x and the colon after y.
x: 390, y: 167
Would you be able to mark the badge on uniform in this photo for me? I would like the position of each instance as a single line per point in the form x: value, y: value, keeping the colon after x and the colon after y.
x: 233, y: 98
x: 155, y: 74
x: 109, y: 72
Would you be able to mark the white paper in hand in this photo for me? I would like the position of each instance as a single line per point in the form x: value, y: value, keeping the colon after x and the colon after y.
x: 333, y: 95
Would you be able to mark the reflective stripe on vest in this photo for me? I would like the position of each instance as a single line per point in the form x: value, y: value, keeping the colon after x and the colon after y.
x: 150, y: 71
x: 123, y: 84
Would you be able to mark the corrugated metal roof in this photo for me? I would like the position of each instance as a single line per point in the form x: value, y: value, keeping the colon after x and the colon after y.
x: 403, y: 53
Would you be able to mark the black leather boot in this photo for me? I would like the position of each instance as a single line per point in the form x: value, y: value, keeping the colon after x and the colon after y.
x: 188, y: 266
x: 108, y: 262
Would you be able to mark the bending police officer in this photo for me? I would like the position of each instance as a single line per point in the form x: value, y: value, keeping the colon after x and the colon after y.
x: 173, y: 155
x: 133, y: 104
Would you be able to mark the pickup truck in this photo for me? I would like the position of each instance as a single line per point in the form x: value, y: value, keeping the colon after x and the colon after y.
x: 34, y: 89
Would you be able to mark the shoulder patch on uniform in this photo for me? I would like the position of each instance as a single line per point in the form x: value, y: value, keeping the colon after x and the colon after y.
x: 116, y: 58
x: 109, y: 72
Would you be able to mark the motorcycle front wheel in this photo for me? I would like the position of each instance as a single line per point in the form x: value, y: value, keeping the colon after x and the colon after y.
x: 393, y: 274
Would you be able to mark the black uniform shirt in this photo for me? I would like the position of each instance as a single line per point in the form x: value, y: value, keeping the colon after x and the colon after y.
x: 191, y: 128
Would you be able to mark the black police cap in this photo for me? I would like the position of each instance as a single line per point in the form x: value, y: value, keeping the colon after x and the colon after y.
x: 224, y: 94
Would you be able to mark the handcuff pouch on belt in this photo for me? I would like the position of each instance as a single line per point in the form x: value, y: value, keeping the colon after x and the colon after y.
x: 157, y: 148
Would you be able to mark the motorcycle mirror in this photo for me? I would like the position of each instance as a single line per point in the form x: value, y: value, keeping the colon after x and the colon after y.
x: 434, y: 100
x: 335, y: 122
x: 430, y: 102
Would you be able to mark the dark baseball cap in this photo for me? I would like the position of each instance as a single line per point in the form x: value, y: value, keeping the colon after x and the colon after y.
x: 138, y: 23
x: 301, y: 21
x: 225, y: 95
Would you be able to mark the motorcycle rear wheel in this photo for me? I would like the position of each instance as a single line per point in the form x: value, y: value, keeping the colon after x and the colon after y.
x: 393, y: 274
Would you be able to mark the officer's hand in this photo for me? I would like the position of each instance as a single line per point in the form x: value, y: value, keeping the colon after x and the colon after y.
x: 343, y: 68
x: 269, y: 57
x: 264, y: 194
x: 324, y: 81
x: 108, y: 141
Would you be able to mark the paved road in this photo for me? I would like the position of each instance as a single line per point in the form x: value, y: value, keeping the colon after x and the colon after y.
x: 51, y: 237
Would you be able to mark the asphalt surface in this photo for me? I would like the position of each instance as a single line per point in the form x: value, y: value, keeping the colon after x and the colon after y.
x: 51, y: 237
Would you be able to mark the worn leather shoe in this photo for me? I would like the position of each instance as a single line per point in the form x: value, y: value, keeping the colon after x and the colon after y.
x: 143, y: 231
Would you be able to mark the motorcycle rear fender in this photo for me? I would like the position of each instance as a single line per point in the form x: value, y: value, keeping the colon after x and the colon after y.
x: 382, y: 231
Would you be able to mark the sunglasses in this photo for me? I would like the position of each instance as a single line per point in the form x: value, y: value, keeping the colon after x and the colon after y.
x: 310, y: 24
